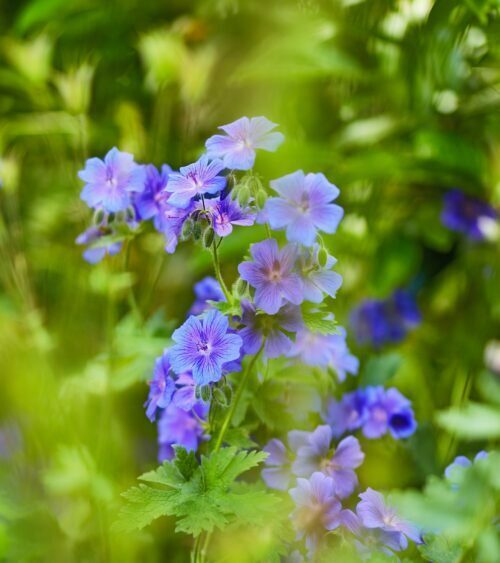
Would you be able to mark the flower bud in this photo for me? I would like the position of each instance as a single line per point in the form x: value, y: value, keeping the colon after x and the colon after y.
x: 243, y: 195
x: 120, y: 217
x: 240, y: 287
x: 322, y: 257
x: 228, y: 392
x: 197, y: 231
x: 220, y: 397
x: 100, y: 217
x: 205, y: 393
x: 187, y: 229
x: 261, y: 198
x: 208, y: 237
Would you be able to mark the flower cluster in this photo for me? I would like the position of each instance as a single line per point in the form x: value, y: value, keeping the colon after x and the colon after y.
x: 378, y: 322
x: 467, y: 215
x: 278, y: 308
x: 375, y: 410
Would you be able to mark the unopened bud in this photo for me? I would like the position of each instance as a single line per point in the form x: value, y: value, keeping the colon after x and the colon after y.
x: 197, y: 231
x: 187, y: 229
x: 240, y: 287
x: 100, y: 216
x: 208, y: 237
x: 243, y: 195
x: 228, y: 392
x: 205, y: 393
x: 220, y: 397
x: 261, y: 198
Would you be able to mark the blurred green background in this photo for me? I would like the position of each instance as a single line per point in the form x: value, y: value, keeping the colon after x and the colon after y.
x: 396, y: 102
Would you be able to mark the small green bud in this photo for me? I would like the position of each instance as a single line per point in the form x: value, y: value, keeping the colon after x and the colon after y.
x: 120, y: 216
x: 254, y: 184
x: 197, y: 231
x: 322, y: 257
x: 99, y: 217
x: 220, y: 397
x: 208, y: 237
x: 243, y: 195
x: 228, y: 392
x: 240, y: 287
x: 187, y: 229
x: 261, y: 198
x: 230, y: 182
x: 205, y: 393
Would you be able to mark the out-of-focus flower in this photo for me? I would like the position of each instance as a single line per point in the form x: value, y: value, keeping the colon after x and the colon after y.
x: 243, y: 137
x: 463, y: 214
x: 317, y: 509
x: 315, y: 349
x: 317, y: 280
x: 224, y: 213
x: 178, y: 427
x: 277, y: 473
x: 461, y: 462
x: 208, y: 289
x: 315, y: 455
x: 272, y: 275
x: 270, y: 329
x: 110, y: 183
x: 374, y: 409
x: 169, y: 221
x: 161, y: 387
x: 388, y: 410
x: 374, y: 513
x: 98, y: 250
x: 203, y: 345
x: 149, y: 202
x: 378, y: 322
x: 195, y: 180
x: 304, y: 206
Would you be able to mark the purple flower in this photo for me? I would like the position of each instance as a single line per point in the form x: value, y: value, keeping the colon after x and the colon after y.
x: 208, y: 289
x: 388, y: 410
x: 272, y: 275
x: 169, y: 221
x: 203, y: 345
x: 237, y: 148
x: 98, y: 248
x: 317, y: 280
x: 177, y: 427
x: 110, y: 183
x: 276, y: 474
x: 375, y: 514
x: 461, y: 462
x: 347, y: 414
x: 304, y: 206
x: 224, y: 213
x: 317, y: 509
x: 315, y: 455
x: 380, y: 321
x: 161, y: 387
x: 149, y: 202
x: 184, y: 395
x: 260, y: 327
x: 194, y: 180
x: 463, y: 214
x: 325, y: 350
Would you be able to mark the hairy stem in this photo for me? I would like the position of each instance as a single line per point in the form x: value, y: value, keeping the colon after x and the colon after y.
x: 236, y: 399
x: 218, y: 275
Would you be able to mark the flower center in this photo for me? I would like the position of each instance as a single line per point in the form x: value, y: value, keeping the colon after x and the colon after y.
x: 310, y: 517
x: 304, y: 203
x: 195, y: 180
x: 204, y: 348
x: 274, y: 273
x: 379, y: 414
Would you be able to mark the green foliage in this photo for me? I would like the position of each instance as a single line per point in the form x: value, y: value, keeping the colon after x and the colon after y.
x: 201, y: 497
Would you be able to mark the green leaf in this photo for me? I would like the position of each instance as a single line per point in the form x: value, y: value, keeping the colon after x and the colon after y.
x: 439, y: 549
x: 319, y: 320
x: 144, y: 505
x: 472, y: 422
x: 379, y: 369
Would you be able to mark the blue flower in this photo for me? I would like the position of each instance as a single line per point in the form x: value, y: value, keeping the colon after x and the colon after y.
x: 110, y: 184
x: 348, y: 414
x: 243, y: 137
x: 178, y: 427
x: 378, y: 322
x: 208, y: 289
x: 224, y: 213
x: 269, y: 329
x: 304, y: 208
x: 317, y: 509
x: 374, y: 513
x: 464, y: 214
x: 95, y: 237
x: 169, y: 221
x: 325, y: 350
x: 314, y: 454
x: 317, y: 280
x: 149, y: 202
x: 272, y: 274
x: 195, y: 180
x: 161, y: 387
x: 461, y: 462
x: 203, y: 345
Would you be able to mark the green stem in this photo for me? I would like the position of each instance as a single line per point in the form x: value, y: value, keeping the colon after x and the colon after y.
x: 237, y: 397
x: 218, y: 275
